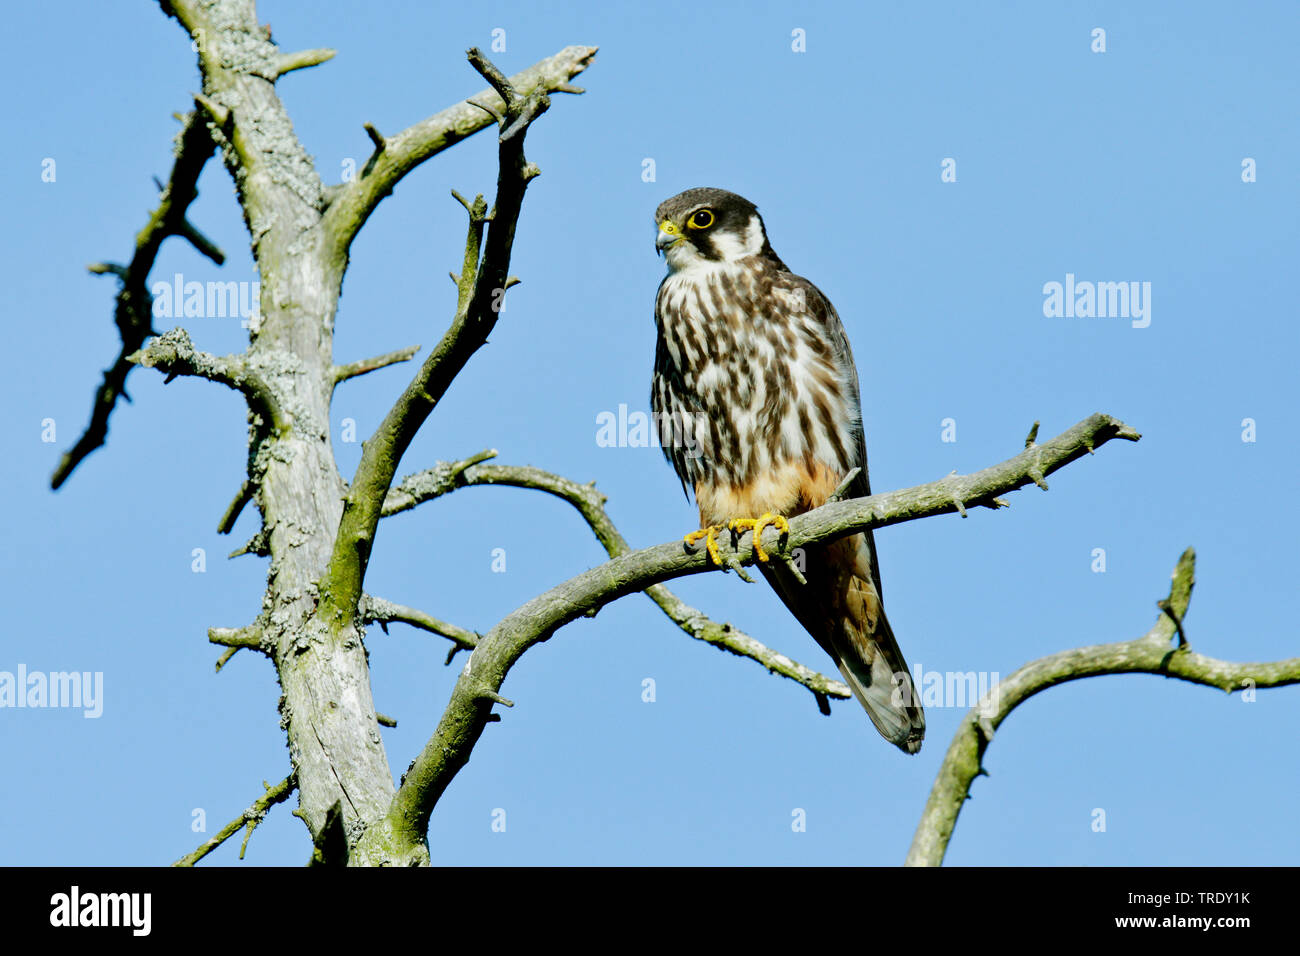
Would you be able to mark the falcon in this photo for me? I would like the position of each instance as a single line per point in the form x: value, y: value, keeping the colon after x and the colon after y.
x: 756, y: 397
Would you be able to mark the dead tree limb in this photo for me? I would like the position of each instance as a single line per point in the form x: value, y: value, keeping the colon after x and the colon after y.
x: 1152, y: 653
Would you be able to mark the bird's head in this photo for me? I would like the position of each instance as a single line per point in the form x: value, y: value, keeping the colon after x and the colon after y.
x: 706, y: 225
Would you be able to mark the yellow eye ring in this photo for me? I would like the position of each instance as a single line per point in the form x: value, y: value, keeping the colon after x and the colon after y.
x: 702, y: 219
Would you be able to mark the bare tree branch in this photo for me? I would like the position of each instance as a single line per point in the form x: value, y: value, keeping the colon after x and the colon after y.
x: 174, y: 354
x: 234, y: 640
x: 479, y: 303
x: 590, y: 503
x: 377, y: 610
x: 431, y: 483
x: 249, y: 819
x: 288, y: 62
x: 252, y: 636
x: 134, y: 310
x: 468, y: 711
x: 1149, y: 654
x: 344, y: 372
x: 310, y: 622
x: 242, y: 497
x: 402, y: 152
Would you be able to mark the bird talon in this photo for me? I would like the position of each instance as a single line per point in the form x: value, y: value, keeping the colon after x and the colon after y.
x: 741, y: 525
x: 710, y: 536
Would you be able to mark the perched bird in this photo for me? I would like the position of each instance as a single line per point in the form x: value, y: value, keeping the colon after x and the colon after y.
x: 756, y: 397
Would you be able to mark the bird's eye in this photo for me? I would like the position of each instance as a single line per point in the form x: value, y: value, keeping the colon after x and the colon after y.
x: 701, y: 220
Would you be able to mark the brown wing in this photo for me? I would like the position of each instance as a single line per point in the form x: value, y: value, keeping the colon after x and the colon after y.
x: 841, y: 605
x: 675, y: 407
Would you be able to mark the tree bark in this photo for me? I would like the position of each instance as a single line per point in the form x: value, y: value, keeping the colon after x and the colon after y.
x: 300, y: 232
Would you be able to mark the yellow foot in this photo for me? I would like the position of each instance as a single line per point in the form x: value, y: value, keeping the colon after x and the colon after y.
x: 758, y: 524
x: 710, y: 536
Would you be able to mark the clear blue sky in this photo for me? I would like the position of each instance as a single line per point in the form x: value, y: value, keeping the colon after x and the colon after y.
x: 1116, y: 166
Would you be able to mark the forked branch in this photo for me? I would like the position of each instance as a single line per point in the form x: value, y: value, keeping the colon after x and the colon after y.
x: 469, y: 709
x: 482, y: 285
x: 1152, y: 653
x: 402, y: 152
x: 134, y: 310
x: 247, y: 821
x: 445, y: 477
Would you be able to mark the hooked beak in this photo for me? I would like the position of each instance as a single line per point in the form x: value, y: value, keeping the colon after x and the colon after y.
x: 668, y: 234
